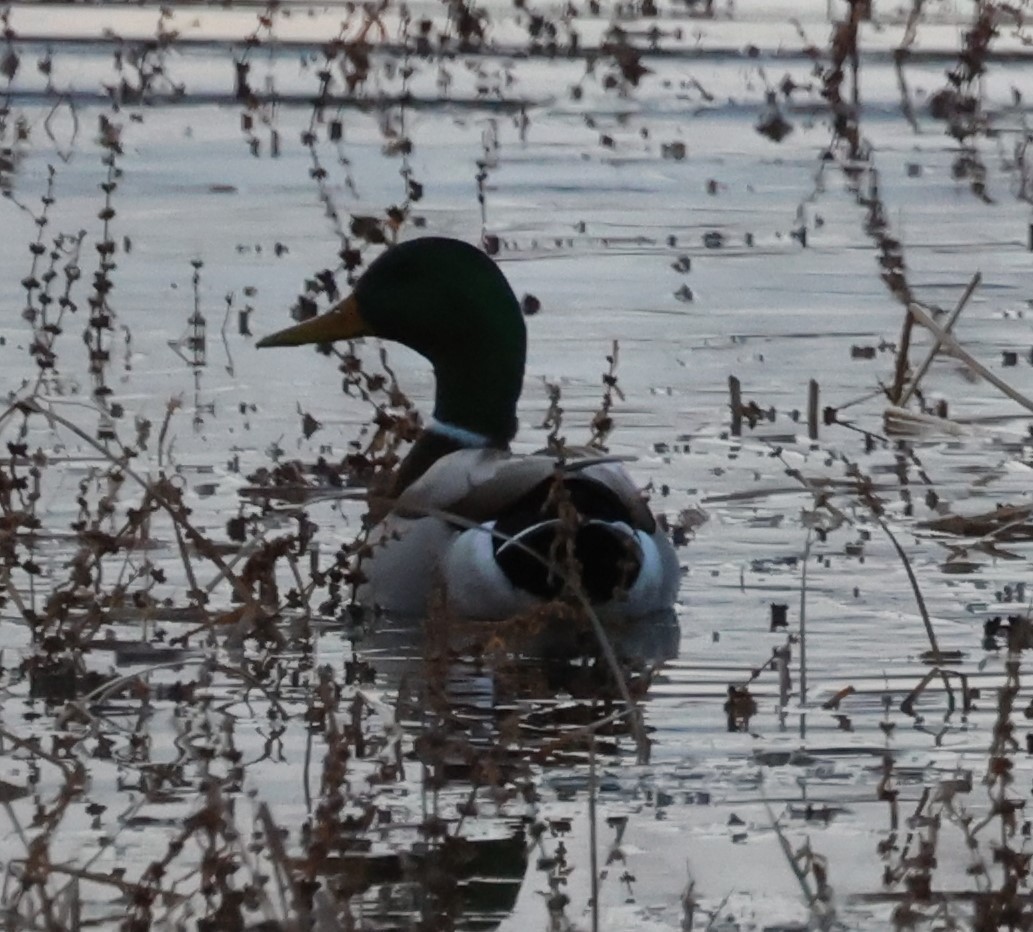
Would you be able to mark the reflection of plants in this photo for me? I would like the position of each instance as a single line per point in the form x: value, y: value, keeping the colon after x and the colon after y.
x: 602, y: 422
x: 142, y: 68
x: 192, y: 347
x: 992, y: 833
x: 45, y: 306
x: 98, y: 335
x: 257, y: 105
x: 467, y: 24
x: 959, y: 104
x: 625, y: 60
x: 856, y: 158
x: 911, y: 862
x: 13, y: 131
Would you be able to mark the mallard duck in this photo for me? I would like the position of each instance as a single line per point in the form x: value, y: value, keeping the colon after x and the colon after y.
x: 469, y: 516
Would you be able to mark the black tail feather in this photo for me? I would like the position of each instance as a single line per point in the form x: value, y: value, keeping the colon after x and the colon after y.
x: 607, y: 555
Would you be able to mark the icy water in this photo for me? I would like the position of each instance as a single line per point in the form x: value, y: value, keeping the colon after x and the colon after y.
x: 655, y: 215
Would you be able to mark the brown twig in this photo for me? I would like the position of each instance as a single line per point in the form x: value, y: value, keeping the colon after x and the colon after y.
x: 937, y: 342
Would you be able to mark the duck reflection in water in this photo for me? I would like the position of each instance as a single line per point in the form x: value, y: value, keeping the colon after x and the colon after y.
x: 487, y: 706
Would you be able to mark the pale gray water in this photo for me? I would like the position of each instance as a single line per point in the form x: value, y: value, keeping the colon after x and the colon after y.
x: 595, y: 205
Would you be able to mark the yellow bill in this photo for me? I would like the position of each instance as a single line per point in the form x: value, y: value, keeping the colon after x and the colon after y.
x: 342, y: 322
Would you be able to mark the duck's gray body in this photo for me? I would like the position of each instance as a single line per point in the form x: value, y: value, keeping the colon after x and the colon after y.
x: 444, y: 535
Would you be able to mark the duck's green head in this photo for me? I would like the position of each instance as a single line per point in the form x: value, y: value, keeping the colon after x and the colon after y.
x: 450, y: 303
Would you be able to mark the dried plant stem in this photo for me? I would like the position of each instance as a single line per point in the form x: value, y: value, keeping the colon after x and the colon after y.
x: 813, y: 406
x: 188, y: 566
x: 280, y: 860
x: 908, y: 703
x: 823, y: 916
x: 735, y: 402
x: 903, y: 352
x: 920, y: 601
x: 803, y: 634
x: 238, y: 585
x: 104, y: 692
x: 593, y: 845
x: 865, y: 492
x: 573, y: 735
x: 170, y: 408
x: 35, y: 748
x: 938, y: 341
x: 242, y: 554
x: 925, y: 318
x: 12, y: 591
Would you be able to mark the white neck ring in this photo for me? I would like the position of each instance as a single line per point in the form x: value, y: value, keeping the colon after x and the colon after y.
x: 462, y: 436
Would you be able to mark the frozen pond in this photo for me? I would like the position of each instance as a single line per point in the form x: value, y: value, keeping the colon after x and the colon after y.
x: 156, y: 731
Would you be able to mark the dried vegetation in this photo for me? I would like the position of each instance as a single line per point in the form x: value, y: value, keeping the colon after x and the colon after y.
x: 118, y: 733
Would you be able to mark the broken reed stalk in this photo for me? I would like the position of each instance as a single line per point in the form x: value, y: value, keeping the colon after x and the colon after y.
x: 907, y: 705
x: 866, y: 496
x: 938, y: 341
x: 781, y: 657
x: 923, y: 315
x: 814, y: 904
x: 903, y: 354
x: 593, y: 844
x: 803, y: 635
x: 735, y: 392
x: 919, y: 600
x: 813, y: 408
